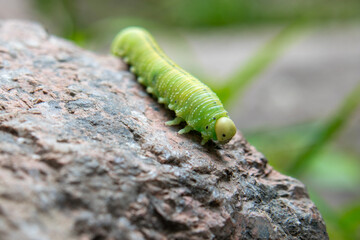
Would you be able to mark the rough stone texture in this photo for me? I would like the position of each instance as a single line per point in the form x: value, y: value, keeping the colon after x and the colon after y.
x: 85, y: 154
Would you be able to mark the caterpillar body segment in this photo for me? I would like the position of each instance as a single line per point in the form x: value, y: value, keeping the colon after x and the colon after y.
x: 192, y: 101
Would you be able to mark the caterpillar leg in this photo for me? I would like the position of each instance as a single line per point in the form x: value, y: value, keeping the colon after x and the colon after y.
x: 204, y: 140
x: 176, y: 121
x: 140, y: 80
x: 185, y: 130
x: 171, y: 106
x: 161, y: 100
x: 149, y: 89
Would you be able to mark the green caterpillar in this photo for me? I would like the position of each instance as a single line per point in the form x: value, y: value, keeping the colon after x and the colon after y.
x: 192, y: 101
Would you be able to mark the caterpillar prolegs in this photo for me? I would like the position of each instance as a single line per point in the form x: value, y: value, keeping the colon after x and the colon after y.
x: 192, y: 101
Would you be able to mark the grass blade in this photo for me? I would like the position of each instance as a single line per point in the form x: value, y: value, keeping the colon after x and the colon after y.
x: 334, y: 125
x: 236, y: 84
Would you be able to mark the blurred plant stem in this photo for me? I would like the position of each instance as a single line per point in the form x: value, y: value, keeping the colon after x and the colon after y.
x: 65, y: 17
x: 326, y: 134
x: 350, y: 221
x: 236, y: 84
x: 72, y: 29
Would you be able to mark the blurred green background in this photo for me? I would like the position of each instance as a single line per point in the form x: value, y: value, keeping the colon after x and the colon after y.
x: 288, y: 71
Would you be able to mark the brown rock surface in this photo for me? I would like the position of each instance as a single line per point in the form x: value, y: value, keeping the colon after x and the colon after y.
x: 85, y: 154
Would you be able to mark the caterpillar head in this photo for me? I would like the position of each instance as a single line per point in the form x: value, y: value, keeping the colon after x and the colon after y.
x: 225, y: 129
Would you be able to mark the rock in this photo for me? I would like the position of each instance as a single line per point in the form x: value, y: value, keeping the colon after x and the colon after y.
x: 85, y: 154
